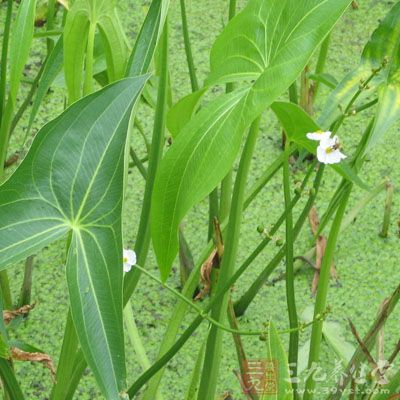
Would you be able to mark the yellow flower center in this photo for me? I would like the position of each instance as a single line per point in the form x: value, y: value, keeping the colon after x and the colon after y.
x: 320, y: 132
x: 125, y: 260
x: 328, y: 150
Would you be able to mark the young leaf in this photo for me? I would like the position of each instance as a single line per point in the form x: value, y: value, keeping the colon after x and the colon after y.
x: 83, y: 15
x: 277, y: 357
x: 206, y: 148
x: 71, y: 181
x: 149, y: 35
x: 21, y: 40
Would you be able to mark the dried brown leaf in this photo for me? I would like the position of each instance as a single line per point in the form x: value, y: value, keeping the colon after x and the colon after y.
x: 205, y: 274
x: 45, y: 359
x: 9, y: 315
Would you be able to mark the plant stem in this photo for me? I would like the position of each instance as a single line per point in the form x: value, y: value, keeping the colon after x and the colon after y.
x: 290, y: 291
x: 388, y: 210
x: 219, y: 312
x: 88, y: 84
x: 157, y: 144
x: 322, y: 292
x: 4, y: 58
x: 188, y: 48
x: 26, y: 289
x: 226, y: 184
x: 65, y: 366
x: 5, y: 289
x: 319, y: 68
x: 51, y: 4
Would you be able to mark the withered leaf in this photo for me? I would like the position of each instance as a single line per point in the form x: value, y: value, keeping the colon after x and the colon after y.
x: 45, y: 359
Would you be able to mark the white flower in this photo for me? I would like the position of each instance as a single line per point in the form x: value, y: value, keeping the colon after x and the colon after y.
x: 328, y: 151
x: 319, y: 135
x: 129, y: 259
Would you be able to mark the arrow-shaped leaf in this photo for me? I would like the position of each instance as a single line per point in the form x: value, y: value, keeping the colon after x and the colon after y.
x: 71, y: 181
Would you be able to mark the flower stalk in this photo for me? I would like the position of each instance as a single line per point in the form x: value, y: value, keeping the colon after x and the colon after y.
x: 290, y: 290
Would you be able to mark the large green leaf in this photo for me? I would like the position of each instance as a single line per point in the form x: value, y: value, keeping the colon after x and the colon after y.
x: 206, y: 148
x: 83, y: 15
x: 72, y: 181
x: 382, y: 47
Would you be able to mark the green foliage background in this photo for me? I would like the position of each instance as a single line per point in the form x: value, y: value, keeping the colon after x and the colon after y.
x: 367, y: 265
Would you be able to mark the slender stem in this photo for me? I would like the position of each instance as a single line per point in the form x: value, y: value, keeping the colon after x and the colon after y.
x: 157, y: 144
x: 28, y: 100
x: 226, y: 184
x: 135, y: 158
x: 88, y: 86
x: 5, y: 288
x: 142, y: 133
x: 322, y: 293
x: 51, y: 4
x: 219, y: 312
x: 213, y: 208
x: 4, y: 58
x: 290, y: 292
x: 293, y: 96
x: 202, y: 313
x: 26, y: 288
x: 188, y: 48
x: 319, y: 68
x: 388, y: 210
